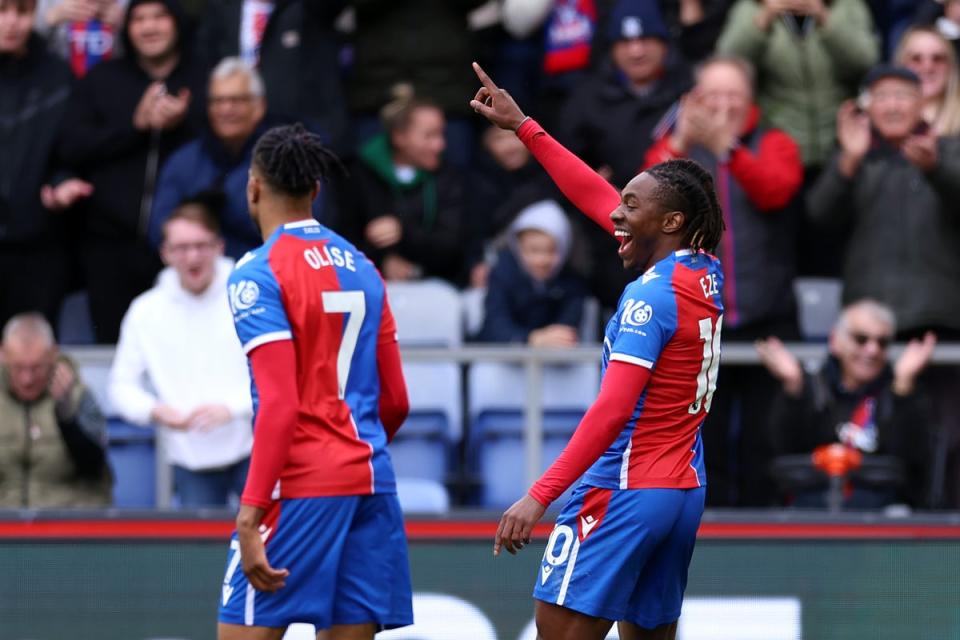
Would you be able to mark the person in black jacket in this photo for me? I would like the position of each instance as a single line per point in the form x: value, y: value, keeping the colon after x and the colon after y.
x: 34, y: 88
x: 860, y: 400
x: 405, y: 206
x: 533, y: 297
x: 125, y: 118
x: 296, y: 51
x: 612, y: 118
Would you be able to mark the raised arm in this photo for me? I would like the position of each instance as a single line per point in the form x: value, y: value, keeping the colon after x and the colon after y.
x: 587, y: 190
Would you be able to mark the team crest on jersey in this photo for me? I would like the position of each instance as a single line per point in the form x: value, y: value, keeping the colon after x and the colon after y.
x: 243, y: 295
x: 636, y: 313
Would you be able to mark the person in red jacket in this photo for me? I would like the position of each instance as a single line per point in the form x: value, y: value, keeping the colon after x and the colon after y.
x: 758, y: 173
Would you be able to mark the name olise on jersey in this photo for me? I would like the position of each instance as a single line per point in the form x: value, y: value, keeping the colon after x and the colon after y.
x: 324, y: 256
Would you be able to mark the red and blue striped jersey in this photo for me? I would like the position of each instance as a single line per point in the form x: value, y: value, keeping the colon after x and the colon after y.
x: 309, y: 285
x: 669, y: 321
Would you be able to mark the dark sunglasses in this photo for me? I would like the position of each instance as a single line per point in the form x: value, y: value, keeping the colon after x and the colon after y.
x: 862, y: 339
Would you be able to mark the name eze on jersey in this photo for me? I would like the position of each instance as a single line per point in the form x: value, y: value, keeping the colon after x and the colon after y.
x: 710, y: 285
x: 326, y: 256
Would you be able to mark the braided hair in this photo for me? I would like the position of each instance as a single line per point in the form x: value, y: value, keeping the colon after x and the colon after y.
x: 292, y: 159
x: 685, y: 186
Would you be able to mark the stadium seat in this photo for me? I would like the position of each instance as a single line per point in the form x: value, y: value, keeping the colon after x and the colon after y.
x: 472, y: 301
x: 424, y: 446
x: 818, y: 305
x: 428, y: 313
x: 497, y: 395
x: 422, y: 496
x: 95, y: 373
x: 74, y: 325
x: 132, y: 457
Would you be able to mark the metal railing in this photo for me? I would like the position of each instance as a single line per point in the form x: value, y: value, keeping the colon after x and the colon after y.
x: 533, y: 360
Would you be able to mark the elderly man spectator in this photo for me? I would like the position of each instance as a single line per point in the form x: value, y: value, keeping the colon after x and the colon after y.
x: 295, y: 47
x: 220, y: 158
x: 179, y: 366
x: 896, y: 185
x: 52, y: 432
x: 611, y: 117
x: 758, y: 173
x: 860, y: 399
x: 126, y: 116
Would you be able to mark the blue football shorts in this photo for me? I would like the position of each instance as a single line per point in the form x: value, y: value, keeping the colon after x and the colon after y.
x: 347, y: 557
x: 622, y: 554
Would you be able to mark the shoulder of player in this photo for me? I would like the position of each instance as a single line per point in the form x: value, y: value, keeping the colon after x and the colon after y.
x: 254, y: 265
x: 651, y: 285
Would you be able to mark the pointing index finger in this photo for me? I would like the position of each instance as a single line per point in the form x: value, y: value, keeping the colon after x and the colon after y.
x: 484, y: 78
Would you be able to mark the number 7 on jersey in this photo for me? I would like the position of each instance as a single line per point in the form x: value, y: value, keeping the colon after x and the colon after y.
x: 354, y: 304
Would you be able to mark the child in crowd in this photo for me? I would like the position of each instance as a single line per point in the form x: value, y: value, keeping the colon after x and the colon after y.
x: 533, y: 296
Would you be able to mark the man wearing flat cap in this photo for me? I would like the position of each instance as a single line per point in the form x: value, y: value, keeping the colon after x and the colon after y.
x: 896, y: 185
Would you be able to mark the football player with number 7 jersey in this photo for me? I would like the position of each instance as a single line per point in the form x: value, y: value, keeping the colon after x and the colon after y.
x: 623, y: 543
x: 320, y: 536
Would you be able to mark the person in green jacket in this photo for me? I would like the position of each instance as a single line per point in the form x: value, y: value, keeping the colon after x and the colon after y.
x: 810, y: 56
x: 53, y: 451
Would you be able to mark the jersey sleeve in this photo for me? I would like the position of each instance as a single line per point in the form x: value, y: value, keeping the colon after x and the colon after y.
x: 647, y: 318
x: 258, y: 312
x: 388, y: 326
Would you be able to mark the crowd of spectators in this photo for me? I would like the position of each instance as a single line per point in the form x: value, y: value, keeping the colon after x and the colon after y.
x: 831, y: 128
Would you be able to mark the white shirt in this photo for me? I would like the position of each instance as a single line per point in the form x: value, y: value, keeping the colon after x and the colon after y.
x: 181, y: 349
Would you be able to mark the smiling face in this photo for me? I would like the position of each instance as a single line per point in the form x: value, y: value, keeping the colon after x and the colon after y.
x: 895, y: 108
x: 929, y: 56
x: 234, y: 110
x: 860, y: 343
x: 646, y: 232
x: 152, y: 31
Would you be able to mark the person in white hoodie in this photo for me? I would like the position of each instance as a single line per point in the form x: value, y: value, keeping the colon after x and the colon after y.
x: 178, y: 364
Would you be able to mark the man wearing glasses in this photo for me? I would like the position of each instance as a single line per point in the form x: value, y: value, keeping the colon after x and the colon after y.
x: 219, y: 159
x: 178, y: 365
x: 861, y: 399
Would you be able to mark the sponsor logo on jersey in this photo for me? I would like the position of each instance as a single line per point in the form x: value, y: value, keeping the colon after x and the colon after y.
x: 243, y: 295
x: 636, y: 313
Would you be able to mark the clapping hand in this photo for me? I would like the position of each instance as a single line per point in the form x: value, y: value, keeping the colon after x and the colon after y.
x: 914, y: 359
x: 781, y: 364
x: 853, y: 133
x: 921, y: 151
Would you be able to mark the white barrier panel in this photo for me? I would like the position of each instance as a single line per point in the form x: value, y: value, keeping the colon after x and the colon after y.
x: 741, y: 619
x: 728, y: 619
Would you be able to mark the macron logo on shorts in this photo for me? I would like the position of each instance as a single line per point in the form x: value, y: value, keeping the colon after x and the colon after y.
x: 587, y: 523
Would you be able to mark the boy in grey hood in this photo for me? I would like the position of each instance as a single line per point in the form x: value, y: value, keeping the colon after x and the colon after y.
x: 533, y: 296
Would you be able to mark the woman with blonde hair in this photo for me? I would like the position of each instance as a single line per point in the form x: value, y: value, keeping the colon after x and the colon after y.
x: 927, y: 53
